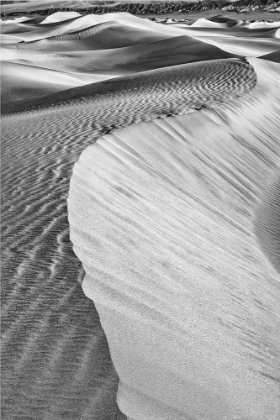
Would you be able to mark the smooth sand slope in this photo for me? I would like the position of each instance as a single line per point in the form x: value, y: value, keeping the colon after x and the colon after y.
x: 155, y: 93
x: 126, y: 60
x: 20, y: 81
x: 172, y: 218
x: 162, y: 217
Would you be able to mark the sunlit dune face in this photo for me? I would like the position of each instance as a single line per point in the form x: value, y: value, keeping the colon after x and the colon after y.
x: 267, y: 225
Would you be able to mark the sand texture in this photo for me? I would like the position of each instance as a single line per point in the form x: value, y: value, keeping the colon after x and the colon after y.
x: 162, y: 218
x: 166, y: 178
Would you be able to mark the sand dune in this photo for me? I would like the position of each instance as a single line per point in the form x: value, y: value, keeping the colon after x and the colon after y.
x: 161, y: 216
x: 122, y: 61
x: 124, y: 44
x: 101, y: 36
x: 243, y: 31
x: 172, y: 218
x: 31, y: 33
x: 127, y: 21
x: 156, y: 93
x: 249, y: 47
x: 59, y: 17
x: 21, y: 81
x: 242, y: 41
x: 22, y: 32
x: 217, y: 23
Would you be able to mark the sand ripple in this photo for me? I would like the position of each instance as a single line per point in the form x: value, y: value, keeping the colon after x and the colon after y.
x: 159, y: 92
x: 51, y: 331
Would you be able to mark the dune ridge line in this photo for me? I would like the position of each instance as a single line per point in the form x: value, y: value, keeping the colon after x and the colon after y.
x: 162, y: 217
x: 187, y: 85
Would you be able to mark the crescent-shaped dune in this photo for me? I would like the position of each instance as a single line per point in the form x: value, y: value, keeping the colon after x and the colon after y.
x: 168, y: 173
x: 162, y: 218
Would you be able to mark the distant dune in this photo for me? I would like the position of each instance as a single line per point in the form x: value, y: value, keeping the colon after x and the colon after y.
x: 142, y: 7
x: 86, y: 49
x: 160, y: 146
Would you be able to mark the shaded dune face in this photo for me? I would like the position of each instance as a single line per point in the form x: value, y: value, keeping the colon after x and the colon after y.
x: 84, y: 65
x: 21, y: 81
x: 228, y: 22
x: 163, y: 91
x: 123, y: 61
x: 89, y: 66
x: 243, y: 32
x: 112, y: 35
x: 161, y: 216
x: 106, y: 35
x: 272, y: 57
x: 94, y: 48
x: 250, y: 46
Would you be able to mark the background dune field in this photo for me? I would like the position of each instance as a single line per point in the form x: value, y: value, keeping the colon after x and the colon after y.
x: 140, y: 218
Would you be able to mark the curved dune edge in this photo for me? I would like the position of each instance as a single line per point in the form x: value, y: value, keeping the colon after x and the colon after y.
x: 170, y: 90
x: 85, y: 67
x: 53, y: 343
x: 24, y: 81
x: 161, y: 215
x: 121, y: 61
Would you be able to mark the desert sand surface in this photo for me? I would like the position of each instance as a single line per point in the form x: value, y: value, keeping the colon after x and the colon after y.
x: 140, y: 219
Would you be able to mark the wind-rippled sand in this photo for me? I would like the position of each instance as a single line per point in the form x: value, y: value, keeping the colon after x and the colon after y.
x: 172, y: 218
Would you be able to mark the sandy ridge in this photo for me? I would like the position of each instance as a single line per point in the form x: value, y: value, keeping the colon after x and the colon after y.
x: 218, y: 80
x: 35, y: 229
x: 198, y: 299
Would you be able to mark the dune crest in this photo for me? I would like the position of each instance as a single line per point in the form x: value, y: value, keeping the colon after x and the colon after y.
x: 59, y: 17
x: 170, y: 90
x: 20, y: 81
x: 161, y: 216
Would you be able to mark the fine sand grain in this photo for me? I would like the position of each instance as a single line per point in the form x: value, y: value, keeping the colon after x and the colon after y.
x: 173, y: 205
